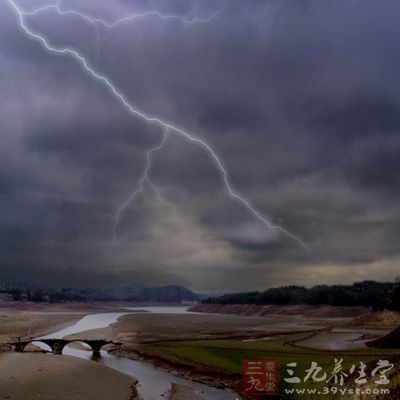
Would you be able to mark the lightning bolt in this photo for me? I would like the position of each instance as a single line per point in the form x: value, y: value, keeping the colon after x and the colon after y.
x: 143, y: 179
x: 188, y: 19
x: 136, y: 112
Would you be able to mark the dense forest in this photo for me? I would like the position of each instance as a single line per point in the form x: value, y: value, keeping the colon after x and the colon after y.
x: 367, y: 293
x: 30, y: 292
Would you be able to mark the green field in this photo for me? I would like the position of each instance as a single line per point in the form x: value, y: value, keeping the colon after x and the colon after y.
x: 227, y: 355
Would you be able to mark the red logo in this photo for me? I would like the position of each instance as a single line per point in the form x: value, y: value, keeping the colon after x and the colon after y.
x: 260, y: 377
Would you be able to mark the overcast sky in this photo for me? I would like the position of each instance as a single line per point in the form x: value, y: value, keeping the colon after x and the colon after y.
x: 300, y: 100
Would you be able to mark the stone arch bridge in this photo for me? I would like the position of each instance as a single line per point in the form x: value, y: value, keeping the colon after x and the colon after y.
x: 57, y: 345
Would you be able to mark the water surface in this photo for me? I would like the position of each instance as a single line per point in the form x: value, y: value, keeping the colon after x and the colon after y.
x: 153, y: 382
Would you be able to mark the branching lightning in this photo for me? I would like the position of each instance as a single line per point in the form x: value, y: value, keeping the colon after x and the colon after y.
x: 143, y: 179
x: 97, y: 22
x: 132, y: 109
x: 187, y: 19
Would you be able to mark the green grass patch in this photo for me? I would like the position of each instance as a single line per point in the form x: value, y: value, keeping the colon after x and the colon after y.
x: 227, y: 355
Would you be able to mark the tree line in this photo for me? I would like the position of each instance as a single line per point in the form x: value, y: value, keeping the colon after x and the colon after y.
x: 30, y: 292
x: 367, y: 293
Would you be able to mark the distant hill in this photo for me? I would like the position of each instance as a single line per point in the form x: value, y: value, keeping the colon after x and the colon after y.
x: 171, y: 293
x: 367, y: 293
x: 136, y: 293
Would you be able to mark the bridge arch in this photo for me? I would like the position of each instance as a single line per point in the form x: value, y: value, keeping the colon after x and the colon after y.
x: 20, y: 346
x: 81, y: 341
x: 43, y: 345
x: 57, y: 345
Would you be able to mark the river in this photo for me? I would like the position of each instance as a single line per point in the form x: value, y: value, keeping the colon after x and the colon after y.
x: 153, y: 382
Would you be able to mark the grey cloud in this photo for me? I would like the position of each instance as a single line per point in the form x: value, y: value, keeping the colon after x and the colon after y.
x: 299, y: 99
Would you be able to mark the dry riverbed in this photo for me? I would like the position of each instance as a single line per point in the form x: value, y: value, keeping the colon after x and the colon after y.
x: 209, y: 347
x: 49, y: 377
x: 202, y: 347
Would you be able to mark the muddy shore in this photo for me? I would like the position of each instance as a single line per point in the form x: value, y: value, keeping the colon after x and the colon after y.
x: 49, y: 377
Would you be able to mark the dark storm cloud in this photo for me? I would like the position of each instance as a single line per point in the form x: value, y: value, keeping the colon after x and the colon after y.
x: 361, y: 115
x: 300, y: 100
x: 375, y: 164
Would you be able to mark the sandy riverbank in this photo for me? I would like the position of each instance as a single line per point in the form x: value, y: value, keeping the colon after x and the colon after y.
x: 27, y: 320
x: 304, y: 310
x: 49, y: 377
